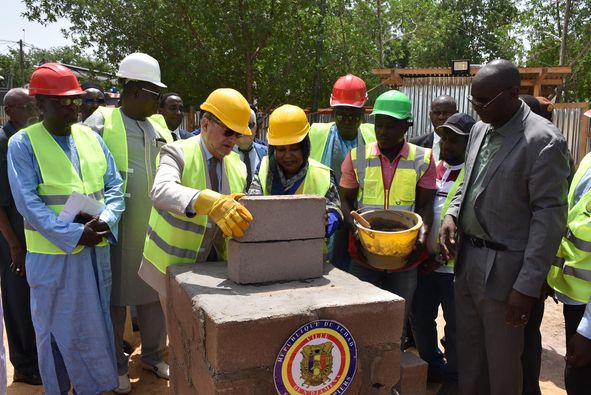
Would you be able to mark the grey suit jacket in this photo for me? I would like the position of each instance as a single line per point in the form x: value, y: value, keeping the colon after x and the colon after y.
x: 521, y: 204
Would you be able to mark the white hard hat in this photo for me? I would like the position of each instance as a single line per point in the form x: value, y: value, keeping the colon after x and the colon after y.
x: 140, y: 67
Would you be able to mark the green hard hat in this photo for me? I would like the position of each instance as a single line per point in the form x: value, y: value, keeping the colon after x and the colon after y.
x: 393, y: 104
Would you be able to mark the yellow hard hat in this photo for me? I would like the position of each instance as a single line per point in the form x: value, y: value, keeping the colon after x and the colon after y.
x: 230, y: 107
x: 288, y: 124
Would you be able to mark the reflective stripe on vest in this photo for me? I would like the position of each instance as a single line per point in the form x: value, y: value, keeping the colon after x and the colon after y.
x: 570, y: 273
x: 319, y: 137
x: 316, y: 182
x: 176, y: 239
x: 371, y: 193
x: 60, y: 178
x: 448, y: 199
x: 115, y: 137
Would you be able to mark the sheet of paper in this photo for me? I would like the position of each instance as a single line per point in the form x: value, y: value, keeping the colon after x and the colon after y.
x: 78, y: 202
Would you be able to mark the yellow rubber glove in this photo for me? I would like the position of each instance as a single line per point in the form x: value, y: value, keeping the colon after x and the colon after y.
x: 231, y: 217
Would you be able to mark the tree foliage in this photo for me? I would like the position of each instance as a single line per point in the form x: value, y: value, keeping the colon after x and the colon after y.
x: 544, y: 22
x: 10, y: 62
x: 278, y: 51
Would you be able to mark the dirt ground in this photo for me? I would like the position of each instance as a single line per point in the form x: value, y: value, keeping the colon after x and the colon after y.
x: 551, y: 377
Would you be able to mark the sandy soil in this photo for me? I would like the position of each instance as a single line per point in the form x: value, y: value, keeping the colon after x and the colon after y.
x: 551, y: 378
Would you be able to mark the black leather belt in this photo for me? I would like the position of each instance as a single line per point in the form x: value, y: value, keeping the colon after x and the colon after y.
x: 481, y: 243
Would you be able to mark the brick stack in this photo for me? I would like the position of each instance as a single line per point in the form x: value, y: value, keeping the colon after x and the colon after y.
x: 225, y: 337
x: 284, y: 241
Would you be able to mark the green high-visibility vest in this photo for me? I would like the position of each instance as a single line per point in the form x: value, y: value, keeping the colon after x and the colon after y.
x: 450, y: 197
x: 570, y: 273
x: 60, y: 178
x: 115, y: 137
x: 316, y: 182
x: 371, y: 193
x: 176, y: 239
x: 319, y: 137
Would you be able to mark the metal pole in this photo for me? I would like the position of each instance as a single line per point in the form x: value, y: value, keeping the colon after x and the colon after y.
x: 22, y: 62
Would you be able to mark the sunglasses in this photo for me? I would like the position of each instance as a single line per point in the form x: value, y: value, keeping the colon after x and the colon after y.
x: 227, y: 131
x: 66, y: 101
x: 157, y: 95
x: 479, y: 104
x: 349, y: 118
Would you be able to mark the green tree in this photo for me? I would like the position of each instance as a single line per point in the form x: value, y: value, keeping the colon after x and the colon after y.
x: 10, y: 63
x: 544, y: 23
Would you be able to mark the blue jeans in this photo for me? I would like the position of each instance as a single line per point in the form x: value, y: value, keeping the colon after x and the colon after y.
x: 432, y: 290
x: 402, y: 284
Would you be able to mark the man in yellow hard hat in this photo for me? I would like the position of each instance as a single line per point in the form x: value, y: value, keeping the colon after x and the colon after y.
x: 330, y: 143
x: 196, y: 188
x: 134, y: 134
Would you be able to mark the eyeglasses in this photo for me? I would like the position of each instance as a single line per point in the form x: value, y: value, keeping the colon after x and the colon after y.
x: 227, y: 131
x: 93, y: 101
x: 67, y: 101
x: 349, y: 118
x: 478, y: 104
x: 157, y: 95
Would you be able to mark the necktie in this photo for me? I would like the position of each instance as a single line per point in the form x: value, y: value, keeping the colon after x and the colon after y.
x: 248, y: 167
x: 213, y: 174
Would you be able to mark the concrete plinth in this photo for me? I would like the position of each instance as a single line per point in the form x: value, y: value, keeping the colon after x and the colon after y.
x: 225, y: 337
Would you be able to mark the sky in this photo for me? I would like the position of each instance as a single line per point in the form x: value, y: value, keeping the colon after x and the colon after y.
x: 35, y: 34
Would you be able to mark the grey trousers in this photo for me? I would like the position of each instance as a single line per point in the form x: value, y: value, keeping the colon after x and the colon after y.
x: 489, y: 350
x: 152, y: 333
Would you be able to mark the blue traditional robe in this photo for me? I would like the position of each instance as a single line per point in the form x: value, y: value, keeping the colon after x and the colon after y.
x: 69, y: 293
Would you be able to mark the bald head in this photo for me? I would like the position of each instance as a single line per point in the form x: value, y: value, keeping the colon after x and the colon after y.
x: 442, y: 107
x: 14, y: 96
x: 495, y: 92
x: 20, y: 107
x: 500, y: 72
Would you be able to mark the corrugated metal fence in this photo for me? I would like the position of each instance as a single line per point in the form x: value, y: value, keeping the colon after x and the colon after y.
x: 568, y: 117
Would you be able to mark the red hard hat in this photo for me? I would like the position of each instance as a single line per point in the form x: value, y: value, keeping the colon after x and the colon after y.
x: 54, y: 79
x: 349, y: 90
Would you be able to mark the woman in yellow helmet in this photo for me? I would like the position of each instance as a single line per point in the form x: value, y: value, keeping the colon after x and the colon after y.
x: 288, y: 169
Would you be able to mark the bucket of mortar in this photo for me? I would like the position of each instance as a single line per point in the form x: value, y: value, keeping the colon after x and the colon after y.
x: 391, y: 238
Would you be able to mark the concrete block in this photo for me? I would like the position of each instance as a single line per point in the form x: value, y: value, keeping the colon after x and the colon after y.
x: 252, y: 263
x: 385, y: 371
x: 378, y: 323
x: 232, y: 346
x: 293, y: 217
x: 413, y: 375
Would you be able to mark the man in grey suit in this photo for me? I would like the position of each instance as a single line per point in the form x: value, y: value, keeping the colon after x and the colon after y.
x: 511, y: 214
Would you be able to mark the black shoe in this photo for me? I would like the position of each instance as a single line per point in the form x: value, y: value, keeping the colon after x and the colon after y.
x: 32, y: 379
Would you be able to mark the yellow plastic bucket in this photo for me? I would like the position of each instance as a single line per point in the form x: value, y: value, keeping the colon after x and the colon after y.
x: 388, y: 249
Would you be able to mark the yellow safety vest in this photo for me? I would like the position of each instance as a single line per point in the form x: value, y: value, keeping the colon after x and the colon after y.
x: 371, y: 193
x: 570, y: 273
x: 316, y: 182
x: 450, y: 196
x: 115, y: 137
x: 176, y: 239
x: 319, y: 137
x: 60, y: 178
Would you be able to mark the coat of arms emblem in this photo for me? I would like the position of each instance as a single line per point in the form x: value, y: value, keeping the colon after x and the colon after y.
x: 316, y: 365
